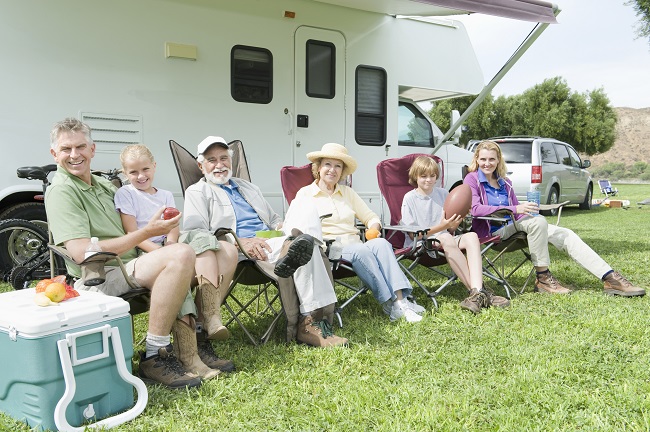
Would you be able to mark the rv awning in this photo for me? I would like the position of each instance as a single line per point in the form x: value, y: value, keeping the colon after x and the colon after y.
x: 525, y: 10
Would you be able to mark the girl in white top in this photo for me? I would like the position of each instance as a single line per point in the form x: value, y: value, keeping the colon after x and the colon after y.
x: 138, y: 202
x: 423, y: 207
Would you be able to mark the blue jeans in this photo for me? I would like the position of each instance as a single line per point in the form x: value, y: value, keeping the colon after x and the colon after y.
x: 375, y: 264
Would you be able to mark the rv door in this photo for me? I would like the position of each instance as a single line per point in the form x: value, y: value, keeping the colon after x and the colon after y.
x: 319, y: 111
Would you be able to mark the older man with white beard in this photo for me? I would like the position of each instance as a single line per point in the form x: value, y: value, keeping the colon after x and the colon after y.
x: 219, y: 200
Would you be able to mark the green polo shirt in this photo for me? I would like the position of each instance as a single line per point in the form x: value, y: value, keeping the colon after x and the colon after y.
x: 78, y: 210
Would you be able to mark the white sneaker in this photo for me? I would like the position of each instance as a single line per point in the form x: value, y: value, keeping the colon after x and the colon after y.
x: 402, y: 310
x: 387, y: 306
x: 415, y: 307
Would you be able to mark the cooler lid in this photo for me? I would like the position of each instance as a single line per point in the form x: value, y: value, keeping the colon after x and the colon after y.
x: 18, y: 312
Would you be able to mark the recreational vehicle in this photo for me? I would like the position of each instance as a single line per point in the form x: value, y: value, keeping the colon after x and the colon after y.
x: 282, y: 76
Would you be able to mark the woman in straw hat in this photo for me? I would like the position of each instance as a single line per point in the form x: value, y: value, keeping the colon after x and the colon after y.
x: 373, y: 261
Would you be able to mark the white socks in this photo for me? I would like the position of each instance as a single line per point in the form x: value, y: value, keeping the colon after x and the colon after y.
x: 154, y: 343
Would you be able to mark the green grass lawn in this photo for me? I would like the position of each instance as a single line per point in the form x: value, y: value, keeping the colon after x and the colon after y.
x: 548, y: 363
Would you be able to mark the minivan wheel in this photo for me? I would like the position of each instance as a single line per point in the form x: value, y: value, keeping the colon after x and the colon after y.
x: 553, y: 197
x: 586, y: 204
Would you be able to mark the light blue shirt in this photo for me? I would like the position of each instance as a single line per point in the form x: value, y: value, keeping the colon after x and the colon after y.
x: 248, y: 222
x: 496, y: 197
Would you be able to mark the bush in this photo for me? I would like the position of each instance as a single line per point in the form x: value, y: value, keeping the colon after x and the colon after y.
x: 618, y: 170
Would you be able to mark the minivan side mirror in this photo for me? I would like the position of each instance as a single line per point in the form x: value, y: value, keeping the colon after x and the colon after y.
x: 586, y: 163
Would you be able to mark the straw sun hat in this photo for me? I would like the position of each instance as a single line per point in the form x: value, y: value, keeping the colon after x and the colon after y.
x: 335, y: 151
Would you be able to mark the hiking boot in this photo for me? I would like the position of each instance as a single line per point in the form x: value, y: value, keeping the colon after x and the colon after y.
x: 186, y: 350
x: 475, y: 301
x: 296, y: 252
x: 209, y: 357
x: 494, y: 300
x: 165, y: 369
x: 616, y: 284
x: 208, y: 305
x: 318, y: 333
x: 546, y: 283
x: 402, y: 309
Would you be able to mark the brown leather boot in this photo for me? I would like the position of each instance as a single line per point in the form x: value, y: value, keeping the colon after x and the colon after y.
x: 494, y: 300
x: 547, y: 283
x: 208, y: 304
x: 186, y: 350
x: 318, y: 333
x: 209, y: 357
x: 475, y: 301
x: 616, y: 284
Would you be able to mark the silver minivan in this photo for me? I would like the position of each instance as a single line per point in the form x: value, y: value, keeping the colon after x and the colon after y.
x: 545, y: 164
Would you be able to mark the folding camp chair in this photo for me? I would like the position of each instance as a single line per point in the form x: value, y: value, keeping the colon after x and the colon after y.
x: 607, y: 188
x: 92, y: 273
x: 293, y: 178
x: 495, y: 267
x: 392, y: 176
x: 249, y: 272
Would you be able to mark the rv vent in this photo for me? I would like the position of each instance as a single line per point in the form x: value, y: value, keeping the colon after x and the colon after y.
x: 111, y: 132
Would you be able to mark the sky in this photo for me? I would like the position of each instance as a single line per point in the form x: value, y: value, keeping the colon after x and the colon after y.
x: 593, y: 45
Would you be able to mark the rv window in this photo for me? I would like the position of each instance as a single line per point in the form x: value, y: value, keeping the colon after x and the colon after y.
x: 370, y: 108
x: 321, y: 67
x: 251, y: 74
x: 412, y: 128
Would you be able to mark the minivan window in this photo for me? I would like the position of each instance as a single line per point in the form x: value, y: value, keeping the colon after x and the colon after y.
x: 563, y: 154
x: 548, y: 153
x: 516, y: 152
x: 575, y: 159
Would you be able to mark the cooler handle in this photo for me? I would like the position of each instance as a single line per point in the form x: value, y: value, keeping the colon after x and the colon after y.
x: 71, y: 340
x: 71, y: 384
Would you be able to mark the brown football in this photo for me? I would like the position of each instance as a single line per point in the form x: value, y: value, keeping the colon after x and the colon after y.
x: 170, y: 212
x: 459, y: 201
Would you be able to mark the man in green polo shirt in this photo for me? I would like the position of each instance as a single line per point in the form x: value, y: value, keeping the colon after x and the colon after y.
x: 79, y: 206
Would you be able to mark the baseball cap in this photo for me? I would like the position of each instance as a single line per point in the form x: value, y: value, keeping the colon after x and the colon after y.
x: 209, y: 142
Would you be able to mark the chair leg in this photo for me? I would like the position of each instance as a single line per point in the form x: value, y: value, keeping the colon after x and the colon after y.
x: 358, y: 291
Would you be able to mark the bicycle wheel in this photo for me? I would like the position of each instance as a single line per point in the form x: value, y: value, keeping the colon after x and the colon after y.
x: 21, y: 243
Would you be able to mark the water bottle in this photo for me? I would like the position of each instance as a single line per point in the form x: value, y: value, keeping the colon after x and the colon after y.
x: 93, y: 247
x: 336, y: 249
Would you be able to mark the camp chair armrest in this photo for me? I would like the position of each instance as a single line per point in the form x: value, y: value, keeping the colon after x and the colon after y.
x: 500, y: 220
x: 417, y: 231
x: 553, y: 206
x: 97, y: 257
x: 223, y: 231
x: 92, y: 268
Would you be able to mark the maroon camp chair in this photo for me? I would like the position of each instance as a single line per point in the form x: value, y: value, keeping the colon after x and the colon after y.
x: 392, y: 176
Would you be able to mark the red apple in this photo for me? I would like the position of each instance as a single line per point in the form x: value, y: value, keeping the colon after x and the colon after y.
x: 170, y: 212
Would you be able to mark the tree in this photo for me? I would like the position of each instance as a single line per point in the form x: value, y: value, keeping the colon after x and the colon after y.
x: 550, y: 109
x: 642, y: 9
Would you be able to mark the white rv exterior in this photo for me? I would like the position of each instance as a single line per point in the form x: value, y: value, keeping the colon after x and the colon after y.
x: 153, y: 70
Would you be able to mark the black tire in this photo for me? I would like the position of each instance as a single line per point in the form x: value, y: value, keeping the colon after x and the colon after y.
x: 19, y: 277
x: 21, y: 240
x: 586, y: 204
x: 31, y: 211
x: 553, y: 198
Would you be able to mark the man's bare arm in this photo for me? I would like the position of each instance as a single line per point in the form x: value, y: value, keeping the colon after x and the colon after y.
x: 119, y: 245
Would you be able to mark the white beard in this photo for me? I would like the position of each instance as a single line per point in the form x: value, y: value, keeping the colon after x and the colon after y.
x: 219, y: 180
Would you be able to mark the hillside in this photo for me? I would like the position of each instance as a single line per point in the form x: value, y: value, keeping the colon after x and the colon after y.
x: 632, y: 138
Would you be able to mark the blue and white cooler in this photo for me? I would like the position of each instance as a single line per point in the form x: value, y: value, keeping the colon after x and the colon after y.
x: 68, y: 366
